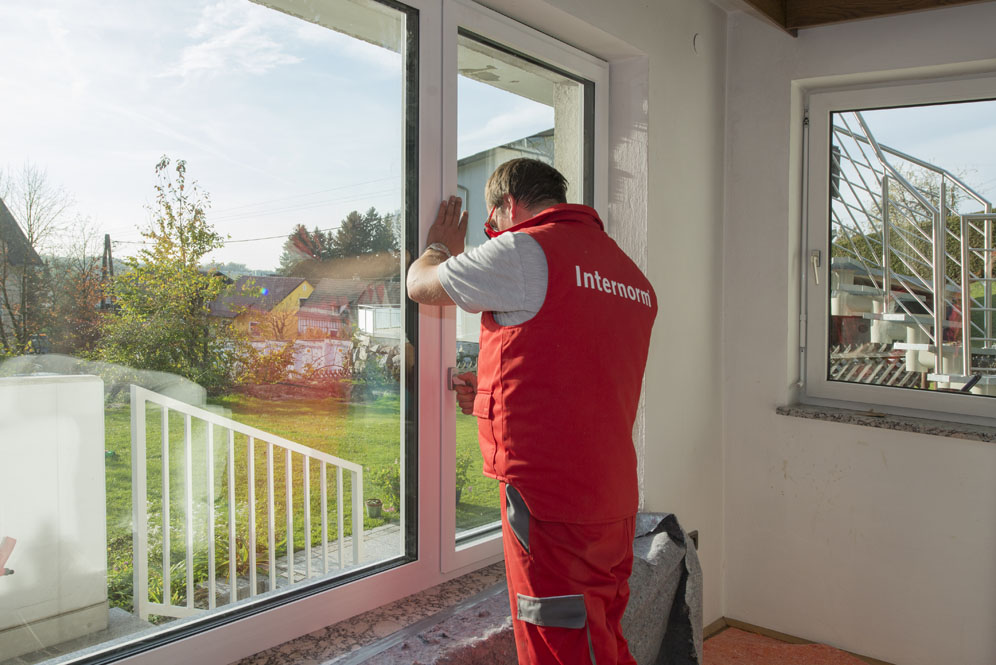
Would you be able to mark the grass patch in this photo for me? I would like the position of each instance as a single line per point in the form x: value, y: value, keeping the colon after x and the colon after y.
x: 978, y: 292
x: 479, y: 499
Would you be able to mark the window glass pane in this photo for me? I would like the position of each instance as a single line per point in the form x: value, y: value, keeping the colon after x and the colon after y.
x: 912, y: 249
x: 203, y: 204
x: 508, y: 107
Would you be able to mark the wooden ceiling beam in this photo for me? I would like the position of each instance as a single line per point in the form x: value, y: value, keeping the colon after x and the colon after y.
x: 774, y: 11
x: 810, y: 13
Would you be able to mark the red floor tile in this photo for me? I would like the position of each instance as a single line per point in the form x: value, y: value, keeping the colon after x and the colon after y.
x: 737, y: 647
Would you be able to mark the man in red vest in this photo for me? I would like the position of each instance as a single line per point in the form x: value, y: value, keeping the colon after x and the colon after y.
x: 565, y: 332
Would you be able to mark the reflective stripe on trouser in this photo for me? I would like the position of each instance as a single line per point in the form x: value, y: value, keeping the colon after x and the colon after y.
x: 568, y: 586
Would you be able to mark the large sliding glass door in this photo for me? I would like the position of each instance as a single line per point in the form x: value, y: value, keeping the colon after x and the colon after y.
x: 206, y: 355
x: 218, y: 409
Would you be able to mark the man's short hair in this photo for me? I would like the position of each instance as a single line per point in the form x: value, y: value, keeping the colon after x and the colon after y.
x: 529, y: 181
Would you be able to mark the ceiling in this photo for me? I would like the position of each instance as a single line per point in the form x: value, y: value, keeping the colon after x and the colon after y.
x: 794, y: 15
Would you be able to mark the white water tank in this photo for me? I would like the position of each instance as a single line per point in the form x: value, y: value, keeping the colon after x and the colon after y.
x: 52, y: 501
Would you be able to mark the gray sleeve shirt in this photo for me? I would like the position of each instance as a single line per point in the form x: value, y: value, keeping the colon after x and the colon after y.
x: 506, y: 275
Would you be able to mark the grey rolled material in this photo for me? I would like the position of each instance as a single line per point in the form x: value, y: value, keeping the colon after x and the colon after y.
x: 663, y: 621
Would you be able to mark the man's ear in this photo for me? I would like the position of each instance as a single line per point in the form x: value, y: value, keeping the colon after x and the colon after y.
x: 511, y: 205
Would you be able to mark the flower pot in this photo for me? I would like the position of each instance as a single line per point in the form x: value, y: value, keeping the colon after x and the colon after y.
x: 373, y: 508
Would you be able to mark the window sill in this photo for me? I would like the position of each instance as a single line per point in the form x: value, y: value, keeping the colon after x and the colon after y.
x: 872, y: 418
x: 347, y: 636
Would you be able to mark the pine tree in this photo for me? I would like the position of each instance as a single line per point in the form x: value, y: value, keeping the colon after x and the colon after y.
x: 384, y: 231
x: 352, y: 238
x: 357, y: 235
x: 303, y: 245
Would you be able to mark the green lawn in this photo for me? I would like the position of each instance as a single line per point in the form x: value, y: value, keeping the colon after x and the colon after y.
x: 978, y: 289
x: 479, y: 499
x: 363, y: 433
x: 978, y: 317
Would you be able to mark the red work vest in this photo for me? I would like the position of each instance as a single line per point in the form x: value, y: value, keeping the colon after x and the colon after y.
x: 557, y: 395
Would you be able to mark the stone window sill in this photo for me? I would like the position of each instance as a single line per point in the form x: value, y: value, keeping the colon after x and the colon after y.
x: 874, y: 418
x: 332, y: 643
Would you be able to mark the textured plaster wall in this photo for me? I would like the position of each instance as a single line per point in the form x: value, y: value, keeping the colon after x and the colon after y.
x: 876, y: 541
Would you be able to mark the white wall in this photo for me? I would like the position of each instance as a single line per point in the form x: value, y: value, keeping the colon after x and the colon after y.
x: 879, y: 542
x: 667, y: 167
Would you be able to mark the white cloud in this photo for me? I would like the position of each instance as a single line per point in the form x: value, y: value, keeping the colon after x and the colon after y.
x: 232, y: 36
x: 38, y: 41
x: 217, y: 17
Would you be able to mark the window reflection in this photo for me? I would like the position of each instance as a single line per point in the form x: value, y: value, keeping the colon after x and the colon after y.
x: 911, y: 267
x: 509, y: 107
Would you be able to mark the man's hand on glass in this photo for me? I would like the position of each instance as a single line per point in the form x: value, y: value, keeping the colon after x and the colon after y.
x: 445, y: 239
x: 450, y: 227
x: 466, y: 391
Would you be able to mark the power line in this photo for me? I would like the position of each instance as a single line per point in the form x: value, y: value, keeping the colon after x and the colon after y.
x: 226, y: 242
x: 292, y: 208
x: 301, y: 206
x: 227, y: 215
x: 298, y: 196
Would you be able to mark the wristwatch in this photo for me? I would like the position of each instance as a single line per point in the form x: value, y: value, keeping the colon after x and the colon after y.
x: 440, y: 247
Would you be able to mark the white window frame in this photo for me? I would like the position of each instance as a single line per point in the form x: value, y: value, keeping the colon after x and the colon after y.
x: 816, y: 223
x: 459, y: 14
x: 438, y: 557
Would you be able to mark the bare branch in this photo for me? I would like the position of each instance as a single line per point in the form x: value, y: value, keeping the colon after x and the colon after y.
x: 38, y: 205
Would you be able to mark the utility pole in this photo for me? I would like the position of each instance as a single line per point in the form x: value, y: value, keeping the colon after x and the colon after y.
x: 106, y: 274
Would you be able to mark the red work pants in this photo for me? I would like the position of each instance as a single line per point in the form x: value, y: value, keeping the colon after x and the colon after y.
x: 568, y: 585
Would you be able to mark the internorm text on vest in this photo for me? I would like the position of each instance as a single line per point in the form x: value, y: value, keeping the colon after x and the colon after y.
x: 606, y: 285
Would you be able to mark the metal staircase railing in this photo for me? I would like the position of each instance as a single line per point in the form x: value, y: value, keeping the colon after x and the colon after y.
x: 913, y: 253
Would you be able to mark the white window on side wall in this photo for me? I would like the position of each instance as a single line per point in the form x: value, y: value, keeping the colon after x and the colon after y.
x: 900, y: 252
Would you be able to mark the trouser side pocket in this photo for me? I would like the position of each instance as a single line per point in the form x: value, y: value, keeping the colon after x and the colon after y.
x: 555, y: 612
x: 517, y: 515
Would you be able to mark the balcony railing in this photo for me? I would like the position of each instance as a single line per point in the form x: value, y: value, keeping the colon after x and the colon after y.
x: 240, y: 482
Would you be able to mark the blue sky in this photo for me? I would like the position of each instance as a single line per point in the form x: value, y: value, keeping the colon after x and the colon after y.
x: 281, y: 121
x: 958, y: 137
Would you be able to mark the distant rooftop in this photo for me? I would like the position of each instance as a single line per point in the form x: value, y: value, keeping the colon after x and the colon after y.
x: 13, y: 241
x: 258, y: 293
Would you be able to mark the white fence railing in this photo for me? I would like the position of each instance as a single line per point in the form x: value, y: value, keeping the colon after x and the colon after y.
x: 199, y: 530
